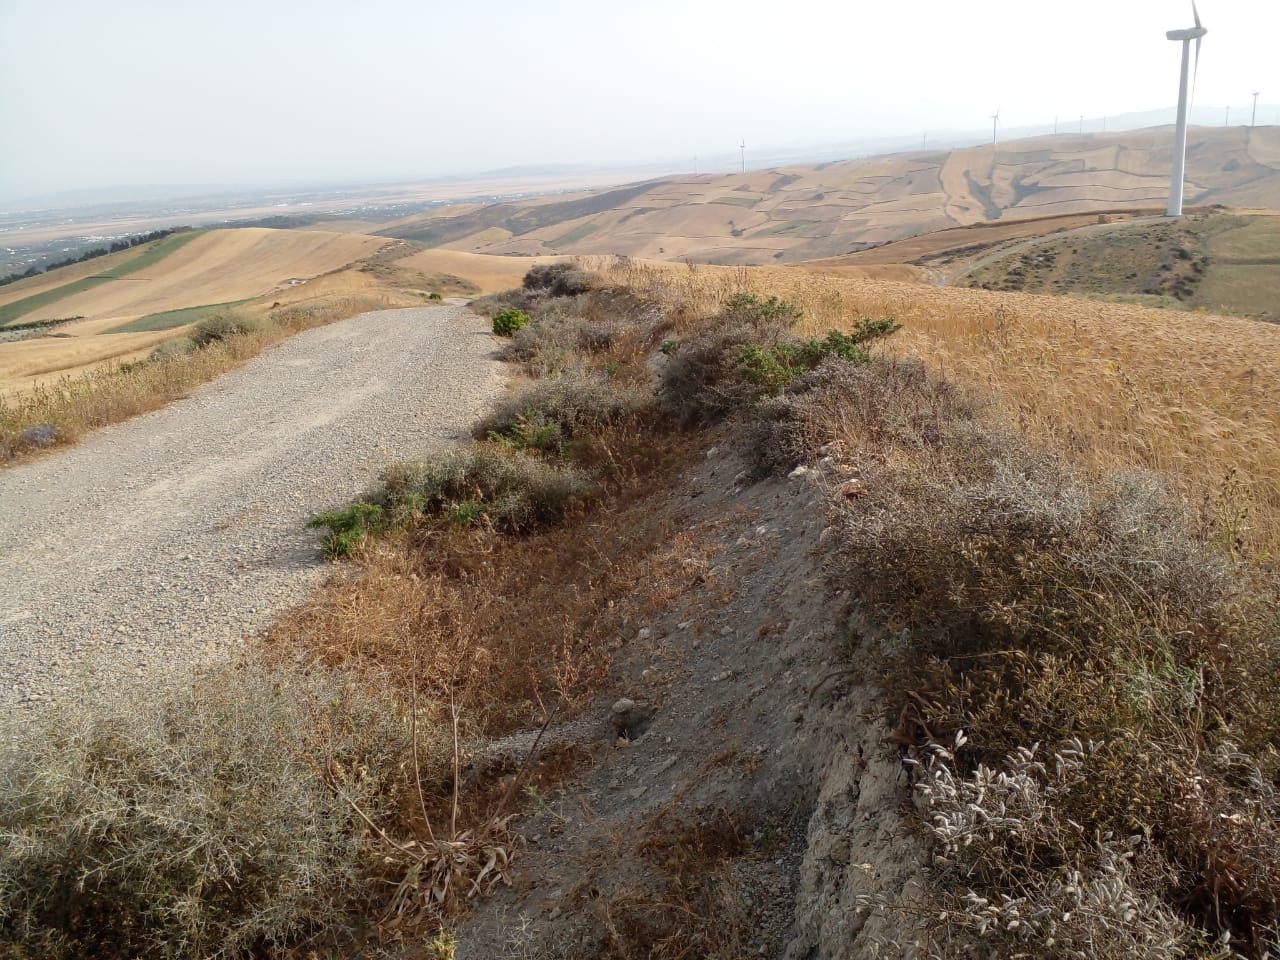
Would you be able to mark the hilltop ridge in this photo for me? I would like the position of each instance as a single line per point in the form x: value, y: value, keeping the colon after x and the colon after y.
x: 805, y: 212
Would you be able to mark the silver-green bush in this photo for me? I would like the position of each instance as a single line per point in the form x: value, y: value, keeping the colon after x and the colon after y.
x: 212, y: 821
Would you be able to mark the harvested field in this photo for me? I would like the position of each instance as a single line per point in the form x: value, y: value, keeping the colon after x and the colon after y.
x: 491, y: 274
x: 216, y: 267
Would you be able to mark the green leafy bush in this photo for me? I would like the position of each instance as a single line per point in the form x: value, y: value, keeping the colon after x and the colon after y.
x: 349, y: 527
x: 207, y: 821
x: 530, y: 432
x: 435, y: 296
x: 748, y: 351
x: 773, y: 368
x: 509, y: 321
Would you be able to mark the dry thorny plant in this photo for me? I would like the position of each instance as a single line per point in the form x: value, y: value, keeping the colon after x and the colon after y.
x: 1017, y: 877
x: 450, y: 852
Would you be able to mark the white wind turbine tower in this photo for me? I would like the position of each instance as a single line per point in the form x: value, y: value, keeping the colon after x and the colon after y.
x: 995, y: 120
x: 1195, y: 33
x: 743, y: 148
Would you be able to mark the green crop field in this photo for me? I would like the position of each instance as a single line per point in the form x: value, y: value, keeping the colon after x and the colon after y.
x: 168, y: 319
x: 576, y: 234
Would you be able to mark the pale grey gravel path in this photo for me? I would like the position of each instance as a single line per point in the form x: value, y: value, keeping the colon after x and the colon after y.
x: 160, y: 543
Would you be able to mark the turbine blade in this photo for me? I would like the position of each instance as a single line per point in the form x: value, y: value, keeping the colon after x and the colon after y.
x: 1195, y: 13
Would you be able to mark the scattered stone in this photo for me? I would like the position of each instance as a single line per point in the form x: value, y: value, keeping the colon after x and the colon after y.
x: 41, y: 435
x: 799, y: 472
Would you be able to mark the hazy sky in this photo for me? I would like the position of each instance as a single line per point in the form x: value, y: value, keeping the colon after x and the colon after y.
x: 155, y: 92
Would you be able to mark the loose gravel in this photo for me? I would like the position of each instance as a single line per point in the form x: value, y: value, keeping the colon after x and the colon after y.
x: 163, y: 542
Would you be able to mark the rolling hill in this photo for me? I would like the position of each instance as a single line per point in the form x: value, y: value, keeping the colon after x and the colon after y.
x: 213, y: 267
x: 799, y: 213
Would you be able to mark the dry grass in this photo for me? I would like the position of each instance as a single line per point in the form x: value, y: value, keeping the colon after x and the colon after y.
x: 1110, y: 384
x: 72, y: 406
x: 512, y: 622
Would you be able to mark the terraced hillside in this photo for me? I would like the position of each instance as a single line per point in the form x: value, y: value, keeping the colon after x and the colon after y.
x: 810, y: 212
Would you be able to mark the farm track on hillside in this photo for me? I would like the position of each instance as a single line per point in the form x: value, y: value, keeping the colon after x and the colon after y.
x: 161, y: 543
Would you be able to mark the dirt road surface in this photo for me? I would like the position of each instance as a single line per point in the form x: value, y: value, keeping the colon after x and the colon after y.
x: 162, y: 542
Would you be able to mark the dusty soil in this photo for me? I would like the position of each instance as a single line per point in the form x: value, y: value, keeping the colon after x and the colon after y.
x: 750, y: 798
x: 164, y: 541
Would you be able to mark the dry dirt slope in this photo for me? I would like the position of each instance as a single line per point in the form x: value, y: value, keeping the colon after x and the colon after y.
x: 809, y: 212
x: 757, y: 759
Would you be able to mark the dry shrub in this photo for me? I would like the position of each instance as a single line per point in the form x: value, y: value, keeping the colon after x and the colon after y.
x: 1015, y: 876
x: 561, y: 409
x: 226, y: 324
x: 604, y: 329
x: 699, y: 383
x: 564, y: 279
x: 510, y: 622
x: 747, y: 352
x: 1033, y: 602
x: 549, y: 345
x: 213, y: 821
x: 511, y: 490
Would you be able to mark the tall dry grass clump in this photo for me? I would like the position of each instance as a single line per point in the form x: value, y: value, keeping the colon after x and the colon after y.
x: 1111, y: 385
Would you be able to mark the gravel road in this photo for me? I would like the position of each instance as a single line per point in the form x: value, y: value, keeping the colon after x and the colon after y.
x: 162, y: 542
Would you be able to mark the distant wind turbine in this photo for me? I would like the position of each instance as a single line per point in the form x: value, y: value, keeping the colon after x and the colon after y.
x: 1253, y: 122
x: 995, y: 121
x: 1195, y: 33
x: 743, y: 148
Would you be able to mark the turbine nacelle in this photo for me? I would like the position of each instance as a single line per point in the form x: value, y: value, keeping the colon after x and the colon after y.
x: 1191, y: 33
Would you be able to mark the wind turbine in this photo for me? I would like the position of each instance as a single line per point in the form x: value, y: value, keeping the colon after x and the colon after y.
x: 1195, y: 33
x: 743, y: 148
x: 1253, y: 122
x: 995, y: 120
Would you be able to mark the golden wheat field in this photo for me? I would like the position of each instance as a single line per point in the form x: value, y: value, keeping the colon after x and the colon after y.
x: 1189, y: 394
